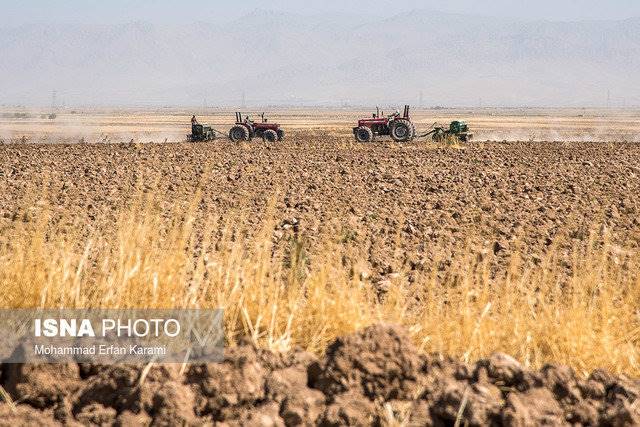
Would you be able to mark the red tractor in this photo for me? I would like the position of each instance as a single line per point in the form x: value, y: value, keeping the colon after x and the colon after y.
x: 400, y: 128
x: 246, y: 129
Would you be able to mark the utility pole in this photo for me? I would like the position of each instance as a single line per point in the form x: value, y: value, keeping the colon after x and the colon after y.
x: 608, y: 98
x: 244, y: 100
x: 421, y: 100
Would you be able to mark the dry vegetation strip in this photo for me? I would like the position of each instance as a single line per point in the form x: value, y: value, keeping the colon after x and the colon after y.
x: 282, y: 299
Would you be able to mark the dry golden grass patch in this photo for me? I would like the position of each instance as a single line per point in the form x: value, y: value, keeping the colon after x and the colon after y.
x: 588, y: 319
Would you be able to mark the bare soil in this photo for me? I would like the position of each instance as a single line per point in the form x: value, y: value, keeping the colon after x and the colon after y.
x: 407, y: 207
x: 402, y: 207
x: 375, y: 377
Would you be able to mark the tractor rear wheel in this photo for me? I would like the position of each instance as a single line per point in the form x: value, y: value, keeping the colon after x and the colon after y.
x: 280, y: 133
x: 269, y: 135
x: 238, y: 133
x: 402, y: 130
x: 364, y: 134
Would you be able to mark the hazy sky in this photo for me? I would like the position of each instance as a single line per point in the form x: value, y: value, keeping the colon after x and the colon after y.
x: 166, y: 11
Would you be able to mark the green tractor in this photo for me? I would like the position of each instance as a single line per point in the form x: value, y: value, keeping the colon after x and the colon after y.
x: 201, y: 133
x: 457, y: 129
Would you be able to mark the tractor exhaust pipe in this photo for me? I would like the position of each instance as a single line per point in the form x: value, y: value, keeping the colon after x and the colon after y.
x: 406, y: 112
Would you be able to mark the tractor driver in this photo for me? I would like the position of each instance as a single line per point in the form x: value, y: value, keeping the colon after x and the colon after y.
x: 394, y: 115
x: 193, y: 120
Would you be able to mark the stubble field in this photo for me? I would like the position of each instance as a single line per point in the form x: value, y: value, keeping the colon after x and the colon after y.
x: 523, y: 242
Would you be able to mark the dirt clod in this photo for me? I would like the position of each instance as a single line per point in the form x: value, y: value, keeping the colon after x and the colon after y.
x: 373, y: 376
x: 379, y: 362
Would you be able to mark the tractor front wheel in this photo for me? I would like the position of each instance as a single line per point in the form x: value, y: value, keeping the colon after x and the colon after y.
x: 280, y: 133
x: 402, y: 131
x: 269, y: 135
x: 238, y: 133
x: 364, y: 134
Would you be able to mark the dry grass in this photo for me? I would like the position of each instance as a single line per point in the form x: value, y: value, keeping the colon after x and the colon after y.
x: 282, y: 299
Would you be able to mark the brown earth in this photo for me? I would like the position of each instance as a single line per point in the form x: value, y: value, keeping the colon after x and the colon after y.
x: 375, y: 377
x: 401, y: 207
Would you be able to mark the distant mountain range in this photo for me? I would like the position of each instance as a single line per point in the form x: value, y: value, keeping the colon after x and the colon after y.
x: 281, y: 58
